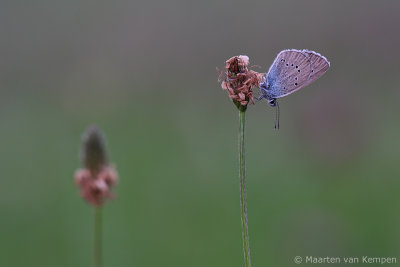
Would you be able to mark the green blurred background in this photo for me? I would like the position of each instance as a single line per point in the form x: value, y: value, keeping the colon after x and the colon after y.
x: 326, y: 184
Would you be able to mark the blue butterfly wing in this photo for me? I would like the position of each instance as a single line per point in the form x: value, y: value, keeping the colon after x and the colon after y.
x: 292, y: 70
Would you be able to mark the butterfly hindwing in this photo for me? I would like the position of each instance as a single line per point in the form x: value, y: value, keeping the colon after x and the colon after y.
x: 319, y: 65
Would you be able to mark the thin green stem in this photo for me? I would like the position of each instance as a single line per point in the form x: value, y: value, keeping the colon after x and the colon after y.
x: 97, y: 241
x: 243, y: 199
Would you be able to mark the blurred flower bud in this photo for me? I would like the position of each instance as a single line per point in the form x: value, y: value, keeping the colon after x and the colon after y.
x: 97, y: 177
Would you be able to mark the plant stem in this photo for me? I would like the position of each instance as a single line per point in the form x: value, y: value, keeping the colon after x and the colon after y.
x: 97, y: 241
x: 243, y: 199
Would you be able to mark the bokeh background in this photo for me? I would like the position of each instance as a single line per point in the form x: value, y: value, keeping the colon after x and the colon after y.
x: 326, y: 184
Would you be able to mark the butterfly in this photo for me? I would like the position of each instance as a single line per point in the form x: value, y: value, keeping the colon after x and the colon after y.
x: 292, y: 70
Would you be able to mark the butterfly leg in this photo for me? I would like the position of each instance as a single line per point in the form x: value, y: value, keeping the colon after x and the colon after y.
x: 261, y: 96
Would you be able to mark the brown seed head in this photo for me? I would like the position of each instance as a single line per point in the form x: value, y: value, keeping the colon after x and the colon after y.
x: 239, y: 81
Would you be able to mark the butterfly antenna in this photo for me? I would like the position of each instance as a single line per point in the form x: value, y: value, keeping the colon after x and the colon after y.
x: 277, y: 115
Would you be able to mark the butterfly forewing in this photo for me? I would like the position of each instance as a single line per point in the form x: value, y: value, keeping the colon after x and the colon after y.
x: 293, y: 70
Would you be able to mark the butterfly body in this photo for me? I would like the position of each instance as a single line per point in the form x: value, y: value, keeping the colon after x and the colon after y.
x: 292, y: 70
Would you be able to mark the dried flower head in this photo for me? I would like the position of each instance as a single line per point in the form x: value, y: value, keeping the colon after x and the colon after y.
x: 239, y: 81
x: 97, y: 177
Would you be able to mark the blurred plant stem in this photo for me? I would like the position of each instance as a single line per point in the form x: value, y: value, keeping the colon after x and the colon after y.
x: 97, y: 241
x: 242, y: 177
